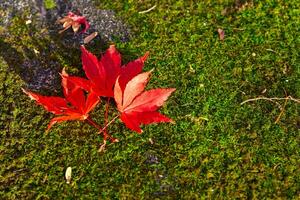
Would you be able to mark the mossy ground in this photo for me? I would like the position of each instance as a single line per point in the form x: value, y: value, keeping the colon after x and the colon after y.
x: 217, y: 148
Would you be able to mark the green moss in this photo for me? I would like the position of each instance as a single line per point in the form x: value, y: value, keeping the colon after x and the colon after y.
x: 49, y: 4
x: 217, y: 148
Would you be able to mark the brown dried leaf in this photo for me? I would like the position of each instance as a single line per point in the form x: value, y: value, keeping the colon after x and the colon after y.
x: 221, y: 34
x: 90, y: 37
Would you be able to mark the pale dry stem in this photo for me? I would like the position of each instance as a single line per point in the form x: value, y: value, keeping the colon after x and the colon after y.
x: 274, y: 100
x: 146, y: 11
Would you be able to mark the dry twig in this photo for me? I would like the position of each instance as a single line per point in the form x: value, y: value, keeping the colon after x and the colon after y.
x: 145, y: 11
x: 274, y: 100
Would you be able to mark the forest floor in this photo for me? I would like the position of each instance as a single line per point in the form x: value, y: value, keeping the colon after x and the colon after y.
x: 218, y: 148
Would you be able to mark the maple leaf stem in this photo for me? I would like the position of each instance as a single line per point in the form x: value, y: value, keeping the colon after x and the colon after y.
x: 111, y: 121
x: 106, y: 118
x: 106, y: 110
x: 93, y: 123
x: 97, y: 126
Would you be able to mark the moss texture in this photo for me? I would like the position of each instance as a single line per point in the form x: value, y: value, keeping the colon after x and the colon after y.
x: 217, y: 149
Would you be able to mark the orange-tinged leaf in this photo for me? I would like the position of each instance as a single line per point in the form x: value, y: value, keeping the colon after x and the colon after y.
x: 118, y: 95
x: 134, y: 87
x: 150, y: 100
x: 138, y: 107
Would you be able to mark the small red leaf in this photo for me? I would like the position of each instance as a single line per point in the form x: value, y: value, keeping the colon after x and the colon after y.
x: 74, y: 21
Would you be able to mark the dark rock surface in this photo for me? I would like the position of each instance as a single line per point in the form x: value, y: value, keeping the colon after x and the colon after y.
x: 32, y: 46
x: 102, y: 21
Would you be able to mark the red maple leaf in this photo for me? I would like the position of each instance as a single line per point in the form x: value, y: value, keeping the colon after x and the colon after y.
x: 138, y: 107
x: 102, y: 74
x: 75, y: 106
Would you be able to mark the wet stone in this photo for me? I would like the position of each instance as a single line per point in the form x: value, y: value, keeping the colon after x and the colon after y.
x: 40, y: 71
x: 103, y: 21
x: 40, y: 79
